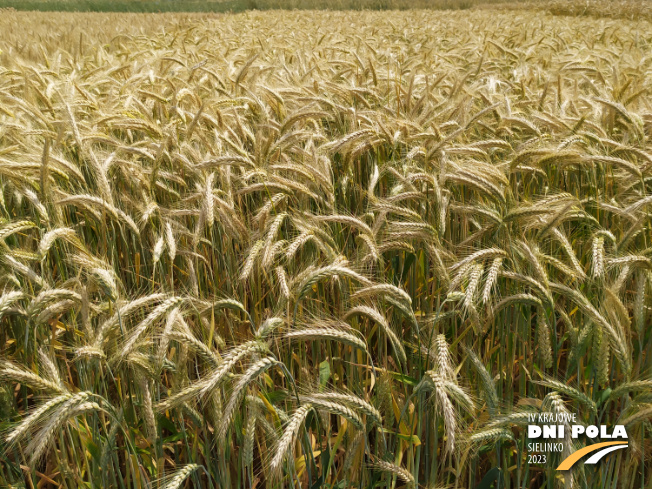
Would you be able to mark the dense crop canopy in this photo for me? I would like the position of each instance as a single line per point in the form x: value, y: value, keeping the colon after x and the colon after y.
x: 284, y: 249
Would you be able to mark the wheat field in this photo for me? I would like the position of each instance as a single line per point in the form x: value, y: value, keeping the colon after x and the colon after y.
x: 322, y: 249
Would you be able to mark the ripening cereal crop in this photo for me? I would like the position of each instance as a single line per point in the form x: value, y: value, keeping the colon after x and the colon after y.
x: 322, y: 249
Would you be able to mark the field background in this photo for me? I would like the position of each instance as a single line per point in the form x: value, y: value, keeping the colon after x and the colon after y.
x: 233, y: 5
x: 323, y: 248
x: 630, y: 9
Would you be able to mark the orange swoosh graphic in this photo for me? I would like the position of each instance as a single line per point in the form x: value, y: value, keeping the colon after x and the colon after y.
x: 571, y: 459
